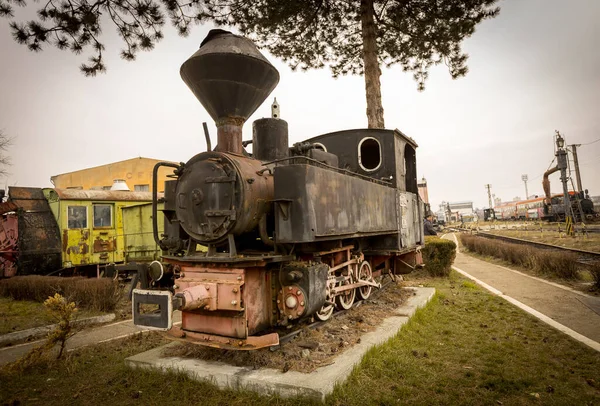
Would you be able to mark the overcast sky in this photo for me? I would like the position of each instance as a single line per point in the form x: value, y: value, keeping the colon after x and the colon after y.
x: 532, y: 70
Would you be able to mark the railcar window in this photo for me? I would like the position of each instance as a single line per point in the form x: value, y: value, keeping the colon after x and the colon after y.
x: 102, y: 215
x: 369, y: 154
x: 141, y: 188
x: 77, y: 216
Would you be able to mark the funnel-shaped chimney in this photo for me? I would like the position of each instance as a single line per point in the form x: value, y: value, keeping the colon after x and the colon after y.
x: 231, y: 78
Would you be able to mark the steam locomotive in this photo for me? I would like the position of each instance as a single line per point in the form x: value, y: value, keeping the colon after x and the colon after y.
x: 292, y: 232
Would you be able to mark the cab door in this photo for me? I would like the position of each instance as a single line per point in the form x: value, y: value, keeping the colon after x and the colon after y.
x: 76, y: 235
x: 104, y: 236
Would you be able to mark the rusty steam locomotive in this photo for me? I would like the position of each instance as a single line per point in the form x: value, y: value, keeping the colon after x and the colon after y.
x: 292, y: 232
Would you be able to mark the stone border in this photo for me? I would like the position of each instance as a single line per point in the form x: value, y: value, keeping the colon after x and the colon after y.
x: 315, y: 385
x: 37, y: 332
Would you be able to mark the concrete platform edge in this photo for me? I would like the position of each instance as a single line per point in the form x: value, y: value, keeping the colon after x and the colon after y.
x: 37, y: 332
x: 315, y: 385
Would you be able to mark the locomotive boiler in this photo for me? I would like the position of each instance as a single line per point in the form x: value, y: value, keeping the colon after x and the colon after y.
x: 292, y: 232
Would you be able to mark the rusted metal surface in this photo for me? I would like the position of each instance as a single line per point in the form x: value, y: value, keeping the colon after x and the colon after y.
x: 546, y: 184
x: 104, y: 245
x: 229, y: 139
x: 98, y: 195
x: 228, y: 302
x: 9, y: 235
x: 7, y: 207
x: 81, y: 246
x: 229, y: 93
x: 220, y: 194
x: 269, y: 139
x: 38, y: 245
x: 326, y: 204
x: 226, y: 343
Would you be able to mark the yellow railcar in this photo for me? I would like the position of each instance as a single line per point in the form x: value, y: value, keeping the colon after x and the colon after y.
x: 103, y: 226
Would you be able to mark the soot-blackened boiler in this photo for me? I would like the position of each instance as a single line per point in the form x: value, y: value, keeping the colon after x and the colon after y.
x: 291, y: 233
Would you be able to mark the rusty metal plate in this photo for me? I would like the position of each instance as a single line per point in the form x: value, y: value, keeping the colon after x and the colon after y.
x: 104, y: 245
x: 227, y: 343
x: 228, y: 325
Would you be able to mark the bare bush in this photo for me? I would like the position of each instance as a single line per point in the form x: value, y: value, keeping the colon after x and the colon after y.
x: 93, y: 294
x: 559, y: 264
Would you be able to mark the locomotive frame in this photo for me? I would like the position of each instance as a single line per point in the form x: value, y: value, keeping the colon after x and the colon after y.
x: 292, y: 232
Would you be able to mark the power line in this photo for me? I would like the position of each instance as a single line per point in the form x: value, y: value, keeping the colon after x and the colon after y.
x: 588, y: 143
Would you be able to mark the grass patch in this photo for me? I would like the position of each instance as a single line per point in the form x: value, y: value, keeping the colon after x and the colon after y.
x: 100, y: 294
x: 18, y: 315
x: 465, y: 347
x: 562, y: 265
x: 470, y: 347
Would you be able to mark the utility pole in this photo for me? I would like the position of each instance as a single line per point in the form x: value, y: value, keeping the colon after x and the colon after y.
x: 561, y: 157
x: 488, y: 186
x: 524, y: 178
x: 576, y: 162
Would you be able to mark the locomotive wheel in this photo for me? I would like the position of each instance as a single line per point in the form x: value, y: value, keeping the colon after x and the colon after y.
x: 365, y: 273
x: 345, y: 299
x: 324, y: 313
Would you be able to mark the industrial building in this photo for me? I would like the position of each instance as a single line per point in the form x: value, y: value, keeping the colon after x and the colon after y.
x: 461, y: 211
x: 136, y: 174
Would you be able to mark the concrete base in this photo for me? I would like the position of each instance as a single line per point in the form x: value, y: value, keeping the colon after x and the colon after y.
x: 314, y: 385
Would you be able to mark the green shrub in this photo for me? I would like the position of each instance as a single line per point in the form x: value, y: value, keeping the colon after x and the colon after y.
x: 438, y: 256
x: 94, y: 294
x: 559, y: 264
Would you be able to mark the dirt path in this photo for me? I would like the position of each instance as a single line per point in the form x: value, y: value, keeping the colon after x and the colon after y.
x: 575, y: 310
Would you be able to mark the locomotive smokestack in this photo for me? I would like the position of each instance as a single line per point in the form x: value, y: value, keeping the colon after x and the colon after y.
x: 231, y: 79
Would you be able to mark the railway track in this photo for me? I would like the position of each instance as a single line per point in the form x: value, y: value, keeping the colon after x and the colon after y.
x: 584, y: 256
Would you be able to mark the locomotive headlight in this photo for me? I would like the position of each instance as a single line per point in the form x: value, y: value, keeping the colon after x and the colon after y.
x: 155, y: 270
x: 291, y: 302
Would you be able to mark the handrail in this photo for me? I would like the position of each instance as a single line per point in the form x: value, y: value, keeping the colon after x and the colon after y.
x: 155, y: 199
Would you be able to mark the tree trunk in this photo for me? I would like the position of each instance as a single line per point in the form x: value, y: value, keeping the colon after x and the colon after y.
x: 371, y: 65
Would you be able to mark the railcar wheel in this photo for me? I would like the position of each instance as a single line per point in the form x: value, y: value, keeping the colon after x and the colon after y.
x: 365, y: 273
x: 345, y: 299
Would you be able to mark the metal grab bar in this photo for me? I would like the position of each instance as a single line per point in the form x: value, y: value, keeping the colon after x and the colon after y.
x: 155, y: 198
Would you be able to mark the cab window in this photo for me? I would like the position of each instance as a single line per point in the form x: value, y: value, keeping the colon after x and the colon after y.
x: 77, y: 216
x: 102, y: 215
x: 369, y: 154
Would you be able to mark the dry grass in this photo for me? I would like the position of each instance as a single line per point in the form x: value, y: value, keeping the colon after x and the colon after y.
x: 562, y: 265
x: 92, y: 294
x: 551, y: 235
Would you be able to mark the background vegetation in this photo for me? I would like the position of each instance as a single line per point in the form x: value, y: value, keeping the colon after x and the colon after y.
x: 100, y: 294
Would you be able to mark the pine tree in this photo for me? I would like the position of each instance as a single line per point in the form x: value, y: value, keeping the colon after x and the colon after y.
x: 348, y: 36
x: 5, y: 142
